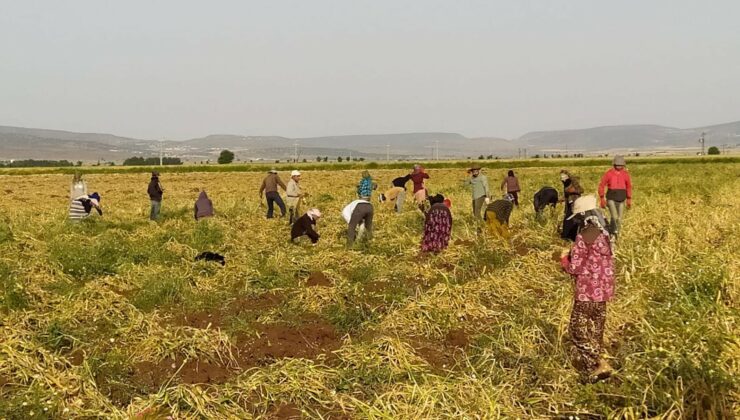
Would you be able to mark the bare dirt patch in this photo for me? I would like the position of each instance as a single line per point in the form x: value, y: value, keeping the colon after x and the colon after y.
x: 464, y: 242
x: 153, y: 375
x: 76, y: 357
x: 457, y: 338
x: 285, y: 412
x: 443, y: 355
x: 275, y: 341
x: 317, y: 278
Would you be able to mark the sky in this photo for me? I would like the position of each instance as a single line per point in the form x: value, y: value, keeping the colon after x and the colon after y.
x: 184, y: 69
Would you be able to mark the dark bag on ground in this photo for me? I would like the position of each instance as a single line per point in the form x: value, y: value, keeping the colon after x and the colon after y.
x: 616, y: 195
x: 211, y: 256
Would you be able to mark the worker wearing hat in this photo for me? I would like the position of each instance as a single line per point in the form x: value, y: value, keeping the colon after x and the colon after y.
x: 270, y: 187
x: 617, y: 185
x: 155, y: 192
x: 294, y: 196
x: 479, y: 184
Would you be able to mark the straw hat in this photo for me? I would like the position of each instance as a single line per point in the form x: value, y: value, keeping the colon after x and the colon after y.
x: 295, y: 173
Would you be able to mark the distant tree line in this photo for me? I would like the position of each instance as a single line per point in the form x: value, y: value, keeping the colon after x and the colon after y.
x: 152, y: 161
x: 32, y: 163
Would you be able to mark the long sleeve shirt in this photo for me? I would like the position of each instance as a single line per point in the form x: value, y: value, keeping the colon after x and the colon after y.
x: 616, y: 180
x: 271, y: 183
x: 592, y: 264
x: 304, y: 226
x: 418, y: 180
x: 154, y: 190
x: 480, y: 186
x: 365, y: 187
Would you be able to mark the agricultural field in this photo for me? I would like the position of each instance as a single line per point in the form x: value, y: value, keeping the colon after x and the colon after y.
x: 113, y: 318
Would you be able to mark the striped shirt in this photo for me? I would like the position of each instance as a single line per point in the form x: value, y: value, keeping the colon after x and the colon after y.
x: 77, y: 210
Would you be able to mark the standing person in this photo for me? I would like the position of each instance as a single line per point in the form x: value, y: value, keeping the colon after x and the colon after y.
x: 619, y: 184
x: 270, y: 187
x: 571, y: 191
x: 366, y: 186
x: 304, y: 226
x: 81, y: 206
x: 420, y: 191
x: 294, y: 196
x: 78, y: 187
x: 497, y: 217
x: 437, y: 226
x: 511, y: 186
x: 546, y: 196
x: 203, y: 206
x: 591, y: 262
x: 359, y: 215
x: 155, y: 192
x: 479, y: 183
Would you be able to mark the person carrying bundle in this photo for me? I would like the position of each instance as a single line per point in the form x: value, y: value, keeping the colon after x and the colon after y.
x: 294, y: 196
x: 591, y: 262
x: 270, y: 187
x: 497, y: 217
x: 81, y: 207
x: 203, y: 206
x: 437, y: 226
x: 304, y: 226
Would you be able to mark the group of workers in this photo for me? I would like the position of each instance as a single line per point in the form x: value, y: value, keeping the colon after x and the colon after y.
x: 590, y: 260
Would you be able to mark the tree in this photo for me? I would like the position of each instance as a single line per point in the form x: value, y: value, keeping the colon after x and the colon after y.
x: 714, y: 150
x: 318, y: 158
x: 481, y: 157
x: 349, y: 159
x: 489, y: 157
x: 226, y: 156
x: 326, y: 158
x: 339, y: 159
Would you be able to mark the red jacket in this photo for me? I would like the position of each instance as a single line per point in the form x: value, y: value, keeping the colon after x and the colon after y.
x: 616, y: 180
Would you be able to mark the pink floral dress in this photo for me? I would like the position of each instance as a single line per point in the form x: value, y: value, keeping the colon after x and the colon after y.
x: 593, y: 267
x: 437, y: 229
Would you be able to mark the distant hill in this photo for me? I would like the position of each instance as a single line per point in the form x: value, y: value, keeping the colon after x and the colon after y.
x: 32, y: 143
x: 629, y: 137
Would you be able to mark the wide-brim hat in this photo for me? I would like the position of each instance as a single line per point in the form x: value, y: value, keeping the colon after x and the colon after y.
x: 475, y: 168
x: 619, y: 161
x: 295, y: 173
x: 272, y: 171
x: 584, y: 204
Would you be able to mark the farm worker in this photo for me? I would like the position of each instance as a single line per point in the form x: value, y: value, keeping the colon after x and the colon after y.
x: 497, y: 217
x: 510, y: 185
x: 546, y: 196
x: 618, y: 184
x: 78, y: 187
x: 294, y: 195
x: 591, y: 262
x: 420, y: 191
x: 393, y: 196
x: 479, y: 183
x: 359, y: 215
x: 203, y: 206
x: 81, y: 206
x: 571, y: 191
x: 155, y: 195
x: 366, y: 186
x: 304, y: 226
x: 398, y: 190
x: 437, y: 226
x: 270, y: 187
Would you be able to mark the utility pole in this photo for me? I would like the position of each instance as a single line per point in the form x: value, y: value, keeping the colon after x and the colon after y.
x: 387, y: 152
x: 295, y: 151
x: 161, y: 152
x: 436, y: 149
x: 701, y: 140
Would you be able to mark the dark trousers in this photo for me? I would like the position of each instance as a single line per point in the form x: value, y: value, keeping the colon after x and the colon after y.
x: 586, y: 330
x: 478, y: 204
x: 274, y: 198
x: 363, y: 214
x: 515, y: 194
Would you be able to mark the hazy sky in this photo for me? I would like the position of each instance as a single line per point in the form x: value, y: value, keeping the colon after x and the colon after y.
x: 182, y: 69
